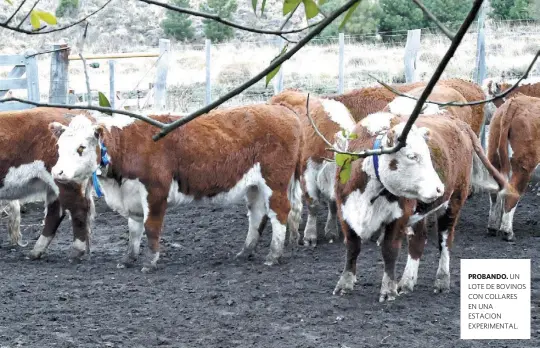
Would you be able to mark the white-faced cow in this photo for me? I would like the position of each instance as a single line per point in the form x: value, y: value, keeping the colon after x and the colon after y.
x: 516, y: 127
x: 432, y: 174
x: 225, y: 156
x: 28, y: 153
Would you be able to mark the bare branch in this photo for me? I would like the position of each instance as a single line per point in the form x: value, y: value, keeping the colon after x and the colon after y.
x: 47, y: 51
x: 434, y: 19
x: 84, y: 107
x: 473, y: 103
x: 315, y: 126
x: 323, y: 24
x: 67, y: 26
x: 288, y: 18
x: 28, y: 14
x: 15, y: 12
x: 85, y: 68
x: 225, y: 21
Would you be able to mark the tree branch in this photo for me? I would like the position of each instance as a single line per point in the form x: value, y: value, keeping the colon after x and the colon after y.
x: 15, y: 12
x: 323, y: 24
x: 288, y: 18
x: 225, y: 21
x: 84, y: 107
x: 402, y: 139
x: 473, y: 103
x: 28, y: 14
x: 434, y: 19
x: 67, y: 26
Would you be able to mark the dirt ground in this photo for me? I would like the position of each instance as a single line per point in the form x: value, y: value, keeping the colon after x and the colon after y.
x: 202, y: 297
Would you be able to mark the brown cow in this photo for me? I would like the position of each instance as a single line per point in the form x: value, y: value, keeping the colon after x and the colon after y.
x: 225, y: 156
x: 516, y: 127
x: 432, y: 174
x: 530, y: 87
x: 27, y: 156
x: 329, y: 117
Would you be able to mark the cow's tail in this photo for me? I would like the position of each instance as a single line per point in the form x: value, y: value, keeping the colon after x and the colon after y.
x: 484, y: 175
x: 13, y: 211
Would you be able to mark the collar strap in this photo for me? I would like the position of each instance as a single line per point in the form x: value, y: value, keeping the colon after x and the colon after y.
x: 377, y: 145
x: 105, y: 161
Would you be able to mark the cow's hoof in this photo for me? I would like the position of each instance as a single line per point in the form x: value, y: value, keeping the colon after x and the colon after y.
x: 388, y: 296
x: 35, y: 254
x: 508, y: 236
x: 148, y: 268
x: 442, y: 284
x: 244, y: 254
x: 345, y: 284
x: 405, y: 286
x: 127, y: 261
x: 310, y: 241
x: 492, y: 231
x: 271, y: 260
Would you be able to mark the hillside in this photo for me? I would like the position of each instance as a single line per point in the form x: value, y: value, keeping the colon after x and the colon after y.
x: 130, y: 25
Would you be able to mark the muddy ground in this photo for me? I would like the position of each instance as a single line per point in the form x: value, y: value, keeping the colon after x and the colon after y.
x: 202, y: 297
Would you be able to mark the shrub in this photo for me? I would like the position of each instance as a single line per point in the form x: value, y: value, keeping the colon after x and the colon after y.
x: 178, y: 25
x: 213, y: 30
x: 67, y: 8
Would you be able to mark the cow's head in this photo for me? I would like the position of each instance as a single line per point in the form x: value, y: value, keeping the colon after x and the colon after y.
x: 409, y: 172
x: 78, y: 149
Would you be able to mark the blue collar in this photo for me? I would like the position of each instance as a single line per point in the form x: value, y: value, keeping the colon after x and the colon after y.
x: 377, y: 145
x: 105, y: 160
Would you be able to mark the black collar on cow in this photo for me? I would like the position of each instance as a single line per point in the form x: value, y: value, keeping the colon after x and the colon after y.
x: 383, y: 191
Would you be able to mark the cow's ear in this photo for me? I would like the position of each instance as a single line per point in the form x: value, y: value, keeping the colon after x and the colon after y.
x: 98, y: 131
x: 390, y: 138
x: 57, y: 129
x: 425, y: 132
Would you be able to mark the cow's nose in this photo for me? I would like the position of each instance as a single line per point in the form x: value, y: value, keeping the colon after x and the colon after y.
x: 439, y: 190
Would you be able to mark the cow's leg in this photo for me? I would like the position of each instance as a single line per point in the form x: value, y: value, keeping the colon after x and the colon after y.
x: 257, y: 211
x: 157, y: 205
x: 331, y: 228
x: 279, y: 211
x: 447, y: 223
x: 390, y: 251
x: 13, y: 210
x: 417, y: 242
x: 136, y: 231
x: 348, y: 278
x: 521, y: 174
x: 82, y: 215
x: 53, y: 217
x: 310, y: 231
x: 494, y: 220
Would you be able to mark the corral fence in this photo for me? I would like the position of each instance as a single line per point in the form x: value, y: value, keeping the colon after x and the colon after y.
x: 23, y: 65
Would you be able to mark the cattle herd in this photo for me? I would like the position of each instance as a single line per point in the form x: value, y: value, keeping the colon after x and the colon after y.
x: 277, y: 156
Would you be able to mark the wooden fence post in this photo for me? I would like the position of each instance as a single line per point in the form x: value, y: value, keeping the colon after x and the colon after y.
x: 341, y: 82
x: 278, y: 82
x: 411, y: 52
x: 208, y: 52
x: 480, y: 71
x: 112, y: 89
x: 32, y: 77
x: 161, y: 75
x: 59, y: 75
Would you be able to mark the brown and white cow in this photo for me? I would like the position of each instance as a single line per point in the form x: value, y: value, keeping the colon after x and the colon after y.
x: 530, y: 87
x: 432, y: 174
x: 28, y: 153
x: 515, y: 127
x: 359, y: 103
x: 329, y: 117
x: 225, y: 156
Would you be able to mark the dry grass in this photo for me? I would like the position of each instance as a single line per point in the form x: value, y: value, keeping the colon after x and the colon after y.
x: 315, y: 68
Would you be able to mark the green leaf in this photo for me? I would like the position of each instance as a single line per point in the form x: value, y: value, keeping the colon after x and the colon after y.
x: 289, y: 5
x: 254, y: 4
x: 345, y: 172
x: 104, y: 102
x: 9, y: 2
x: 273, y: 73
x: 341, y: 158
x: 353, y: 136
x: 34, y: 19
x: 348, y: 15
x: 311, y: 8
x: 263, y: 5
x: 47, y: 17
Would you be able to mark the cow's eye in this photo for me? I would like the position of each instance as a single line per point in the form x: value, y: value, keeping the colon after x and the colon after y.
x: 412, y: 157
x: 80, y: 150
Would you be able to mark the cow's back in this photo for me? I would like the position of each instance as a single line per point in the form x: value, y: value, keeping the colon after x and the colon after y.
x: 25, y: 137
x: 471, y: 92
